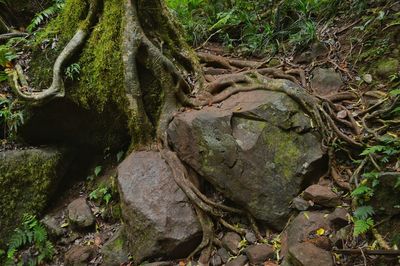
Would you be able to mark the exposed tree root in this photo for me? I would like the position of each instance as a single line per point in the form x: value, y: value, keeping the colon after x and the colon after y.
x: 56, y: 88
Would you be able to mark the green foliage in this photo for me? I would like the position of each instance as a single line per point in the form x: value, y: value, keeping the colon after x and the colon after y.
x: 10, y: 117
x: 254, y: 27
x: 362, y: 226
x: 363, y: 212
x: 96, y: 173
x: 72, y: 71
x: 7, y: 55
x: 362, y: 191
x: 102, y: 193
x: 46, y: 14
x: 32, y: 236
x: 387, y: 149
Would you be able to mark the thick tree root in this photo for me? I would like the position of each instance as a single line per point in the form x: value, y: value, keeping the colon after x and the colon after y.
x: 56, y: 89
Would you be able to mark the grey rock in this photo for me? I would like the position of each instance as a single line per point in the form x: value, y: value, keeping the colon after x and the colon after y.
x: 250, y: 237
x: 161, y: 263
x: 326, y: 81
x: 238, y: 261
x: 258, y: 254
x: 300, y: 204
x: 231, y: 242
x: 115, y: 250
x: 159, y: 218
x: 306, y: 254
x: 321, y: 195
x: 224, y: 254
x: 80, y: 214
x: 53, y: 226
x: 79, y: 255
x: 258, y: 149
x: 303, y: 228
x: 216, y: 260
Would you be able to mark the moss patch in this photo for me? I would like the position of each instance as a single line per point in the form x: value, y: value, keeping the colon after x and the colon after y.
x: 101, y: 61
x: 27, y: 178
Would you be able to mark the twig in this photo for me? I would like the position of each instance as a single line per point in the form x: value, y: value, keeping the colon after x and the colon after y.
x: 381, y: 252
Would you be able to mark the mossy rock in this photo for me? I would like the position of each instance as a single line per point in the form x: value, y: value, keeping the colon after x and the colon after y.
x: 27, y: 180
x: 259, y: 150
x: 387, y: 67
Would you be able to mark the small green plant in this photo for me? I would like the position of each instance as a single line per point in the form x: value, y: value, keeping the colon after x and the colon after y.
x: 31, y: 236
x: 96, y: 172
x: 7, y: 55
x: 103, y: 193
x: 72, y: 71
x: 49, y: 12
x: 11, y: 118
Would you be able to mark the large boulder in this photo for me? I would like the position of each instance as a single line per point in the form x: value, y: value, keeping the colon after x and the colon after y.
x: 257, y: 147
x: 159, y: 219
x: 27, y: 180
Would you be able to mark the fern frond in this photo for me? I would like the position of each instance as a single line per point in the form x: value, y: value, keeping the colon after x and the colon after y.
x: 45, y: 14
x: 363, y: 212
x: 39, y: 233
x: 362, y: 226
x: 17, y: 240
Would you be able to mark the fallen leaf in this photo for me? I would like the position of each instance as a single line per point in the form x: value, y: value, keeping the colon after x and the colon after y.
x: 64, y: 225
x: 320, y: 231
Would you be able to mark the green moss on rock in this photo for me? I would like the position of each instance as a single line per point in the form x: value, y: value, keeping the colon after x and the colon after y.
x: 27, y: 179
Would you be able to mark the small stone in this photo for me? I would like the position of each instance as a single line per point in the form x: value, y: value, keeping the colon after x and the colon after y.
x: 250, y: 237
x: 326, y: 81
x: 238, y: 261
x: 321, y: 195
x: 80, y: 214
x: 274, y: 62
x: 306, y: 254
x: 224, y: 254
x: 367, y: 78
x: 157, y: 263
x: 53, y: 226
x: 79, y: 255
x: 257, y: 254
x: 216, y: 260
x: 339, y: 218
x: 231, y: 242
x: 300, y: 204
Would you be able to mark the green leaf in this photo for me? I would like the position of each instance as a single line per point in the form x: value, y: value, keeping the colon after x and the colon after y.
x: 107, y: 197
x: 373, y: 149
x: 362, y: 190
x: 119, y: 156
x: 97, y: 170
x: 363, y: 212
x: 395, y: 92
x: 362, y: 226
